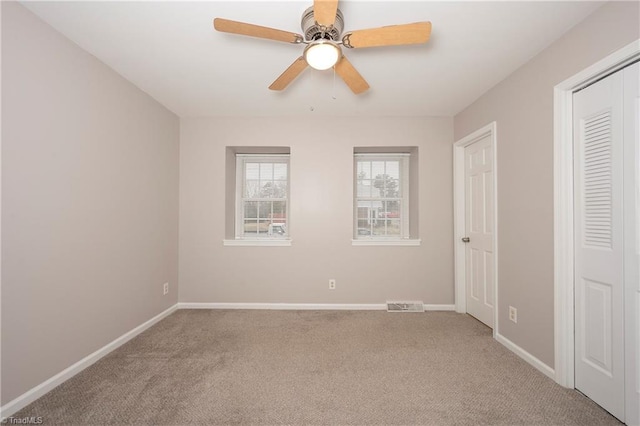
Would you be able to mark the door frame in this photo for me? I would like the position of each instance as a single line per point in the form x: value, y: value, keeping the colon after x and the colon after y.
x: 564, y: 265
x: 459, y: 224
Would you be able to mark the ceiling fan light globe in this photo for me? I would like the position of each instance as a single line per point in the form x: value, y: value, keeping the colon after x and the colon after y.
x: 322, y: 55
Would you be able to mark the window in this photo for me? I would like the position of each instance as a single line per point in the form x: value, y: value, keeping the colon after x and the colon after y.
x: 381, y: 205
x: 262, y: 196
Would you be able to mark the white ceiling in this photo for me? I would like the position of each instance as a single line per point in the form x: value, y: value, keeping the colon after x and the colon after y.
x: 171, y: 51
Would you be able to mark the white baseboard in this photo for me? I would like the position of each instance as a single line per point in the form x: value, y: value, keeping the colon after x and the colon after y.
x: 305, y: 306
x: 286, y: 306
x: 31, y: 395
x: 439, y: 307
x: 535, y: 362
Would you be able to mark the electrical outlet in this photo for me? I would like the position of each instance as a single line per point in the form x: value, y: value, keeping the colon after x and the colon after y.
x: 165, y: 289
x: 513, y: 314
x: 332, y: 284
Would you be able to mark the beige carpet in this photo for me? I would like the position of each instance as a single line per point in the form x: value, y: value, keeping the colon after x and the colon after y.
x: 314, y: 367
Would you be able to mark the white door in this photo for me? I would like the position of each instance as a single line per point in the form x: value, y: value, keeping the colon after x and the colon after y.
x: 479, y: 251
x: 599, y: 245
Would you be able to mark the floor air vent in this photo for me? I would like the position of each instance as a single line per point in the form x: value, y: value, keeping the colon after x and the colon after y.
x: 405, y: 307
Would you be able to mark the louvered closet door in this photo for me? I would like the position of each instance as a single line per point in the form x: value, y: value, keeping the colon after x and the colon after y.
x: 599, y: 249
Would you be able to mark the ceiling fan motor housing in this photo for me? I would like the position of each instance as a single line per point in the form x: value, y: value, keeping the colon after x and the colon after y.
x: 313, y: 31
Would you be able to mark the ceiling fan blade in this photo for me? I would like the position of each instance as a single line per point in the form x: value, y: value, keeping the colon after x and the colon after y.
x: 324, y: 11
x: 392, y: 35
x: 234, y: 27
x: 289, y: 74
x: 351, y: 76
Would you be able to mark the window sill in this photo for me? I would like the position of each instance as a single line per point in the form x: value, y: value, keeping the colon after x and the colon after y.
x: 257, y: 243
x: 371, y: 242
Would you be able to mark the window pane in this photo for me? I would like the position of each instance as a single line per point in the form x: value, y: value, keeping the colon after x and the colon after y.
x: 387, y: 187
x: 266, y: 171
x: 279, y: 211
x: 377, y: 168
x: 393, y: 169
x: 364, y: 207
x: 379, y: 228
x: 393, y: 227
x: 280, y: 171
x: 264, y: 210
x: 252, y: 171
x: 278, y: 229
x: 365, y: 217
x: 378, y: 183
x: 252, y: 188
x: 391, y: 210
x: 364, y: 188
x: 280, y: 189
x: 364, y: 169
x: 263, y: 226
x: 266, y: 189
x: 250, y: 210
x: 363, y: 229
x: 250, y: 227
x: 392, y: 187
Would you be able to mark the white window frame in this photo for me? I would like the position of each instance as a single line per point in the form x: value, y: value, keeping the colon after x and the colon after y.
x: 268, y: 240
x: 404, y: 237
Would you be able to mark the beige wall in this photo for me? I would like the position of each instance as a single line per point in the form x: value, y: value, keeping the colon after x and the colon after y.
x: 522, y: 105
x: 321, y: 215
x: 89, y: 199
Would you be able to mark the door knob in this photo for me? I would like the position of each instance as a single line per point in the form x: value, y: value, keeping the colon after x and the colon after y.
x: 465, y: 239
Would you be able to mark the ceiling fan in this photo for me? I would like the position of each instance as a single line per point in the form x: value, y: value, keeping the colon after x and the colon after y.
x: 322, y: 26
